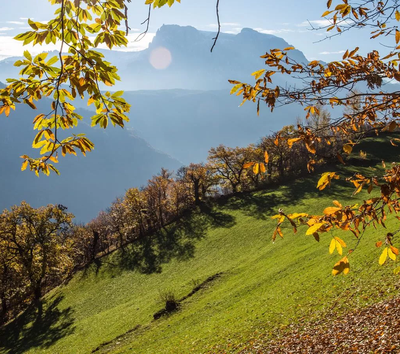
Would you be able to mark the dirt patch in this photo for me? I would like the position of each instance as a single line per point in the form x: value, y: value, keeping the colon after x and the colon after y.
x: 170, y: 308
x: 102, y: 345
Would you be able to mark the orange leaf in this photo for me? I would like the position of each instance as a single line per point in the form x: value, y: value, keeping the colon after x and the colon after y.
x: 331, y: 210
x: 266, y: 157
x: 248, y: 164
x: 340, y: 158
x: 337, y: 204
x: 292, y: 141
x: 262, y: 167
x: 347, y: 148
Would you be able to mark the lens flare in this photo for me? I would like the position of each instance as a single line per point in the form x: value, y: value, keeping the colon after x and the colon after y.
x: 160, y: 58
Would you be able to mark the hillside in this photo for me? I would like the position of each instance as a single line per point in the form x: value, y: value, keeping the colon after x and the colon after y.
x: 86, y: 185
x: 235, y: 285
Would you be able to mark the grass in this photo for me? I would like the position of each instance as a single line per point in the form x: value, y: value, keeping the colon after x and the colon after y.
x: 262, y: 287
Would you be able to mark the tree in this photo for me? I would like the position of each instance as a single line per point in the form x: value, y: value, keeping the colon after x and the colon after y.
x: 353, y: 85
x: 35, y: 245
x: 199, y: 178
x: 229, y: 165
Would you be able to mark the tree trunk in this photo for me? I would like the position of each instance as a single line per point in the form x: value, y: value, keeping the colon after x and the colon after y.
x: 4, y: 308
x: 196, y: 187
x: 95, y: 242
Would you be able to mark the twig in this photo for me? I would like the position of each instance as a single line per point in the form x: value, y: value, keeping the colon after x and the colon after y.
x: 219, y: 27
x: 147, y: 20
x: 127, y: 28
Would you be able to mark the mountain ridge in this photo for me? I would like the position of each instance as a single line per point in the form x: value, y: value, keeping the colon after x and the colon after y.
x: 192, y: 65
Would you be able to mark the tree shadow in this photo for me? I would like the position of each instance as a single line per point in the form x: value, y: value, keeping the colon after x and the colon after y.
x: 264, y: 203
x: 176, y: 241
x: 37, y: 328
x: 378, y: 149
x: 267, y: 202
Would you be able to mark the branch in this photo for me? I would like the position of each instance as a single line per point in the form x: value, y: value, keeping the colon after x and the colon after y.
x: 219, y: 27
x: 147, y: 20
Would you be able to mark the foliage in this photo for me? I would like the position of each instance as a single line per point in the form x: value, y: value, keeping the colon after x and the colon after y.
x: 36, y: 252
x: 355, y: 86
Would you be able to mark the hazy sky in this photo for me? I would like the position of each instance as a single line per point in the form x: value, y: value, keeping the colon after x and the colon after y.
x: 289, y: 19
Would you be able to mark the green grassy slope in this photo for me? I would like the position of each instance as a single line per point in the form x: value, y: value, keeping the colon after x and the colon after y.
x: 262, y: 286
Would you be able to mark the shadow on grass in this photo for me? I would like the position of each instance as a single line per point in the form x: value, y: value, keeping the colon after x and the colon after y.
x: 379, y: 148
x: 177, y: 240
x: 266, y: 203
x: 37, y: 329
x: 263, y: 204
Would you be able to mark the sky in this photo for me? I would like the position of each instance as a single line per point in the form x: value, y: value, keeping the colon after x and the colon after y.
x: 290, y: 19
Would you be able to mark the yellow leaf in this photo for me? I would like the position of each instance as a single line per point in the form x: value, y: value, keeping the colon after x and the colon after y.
x: 332, y: 246
x: 256, y: 168
x: 397, y: 36
x: 297, y: 215
x: 397, y: 15
x: 53, y: 158
x: 342, y: 266
x: 347, y: 148
x: 258, y: 73
x: 342, y: 243
x: 326, y: 179
x: 314, y: 228
x: 338, y: 247
x: 280, y: 218
x: 383, y: 257
x: 391, y: 255
x: 234, y: 88
x: 24, y: 165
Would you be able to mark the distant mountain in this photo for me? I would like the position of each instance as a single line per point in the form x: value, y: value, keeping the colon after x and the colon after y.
x: 186, y: 124
x: 192, y: 65
x: 87, y: 184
